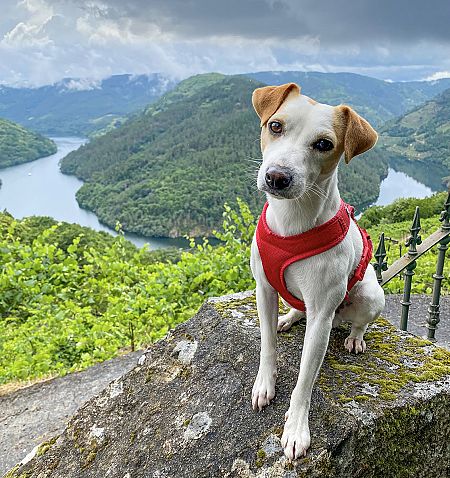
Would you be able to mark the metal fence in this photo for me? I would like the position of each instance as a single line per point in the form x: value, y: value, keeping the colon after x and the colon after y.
x: 408, y: 262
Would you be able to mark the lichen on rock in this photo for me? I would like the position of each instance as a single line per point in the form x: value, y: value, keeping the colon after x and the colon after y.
x: 185, y: 410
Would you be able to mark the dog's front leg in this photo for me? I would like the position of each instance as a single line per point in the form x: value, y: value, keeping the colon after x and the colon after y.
x: 264, y: 386
x: 296, y: 437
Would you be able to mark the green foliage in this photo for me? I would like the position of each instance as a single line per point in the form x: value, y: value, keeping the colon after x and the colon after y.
x: 66, y: 306
x: 168, y: 171
x: 403, y: 210
x: 62, y: 309
x: 395, y: 221
x: 426, y: 264
x: 19, y: 145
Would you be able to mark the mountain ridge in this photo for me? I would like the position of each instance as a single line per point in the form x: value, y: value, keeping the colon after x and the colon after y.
x: 83, y: 106
x: 154, y: 174
x: 377, y: 100
x: 19, y: 145
x: 79, y: 106
x: 422, y: 135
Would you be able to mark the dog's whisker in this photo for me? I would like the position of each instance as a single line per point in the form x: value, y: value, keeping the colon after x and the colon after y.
x: 314, y: 188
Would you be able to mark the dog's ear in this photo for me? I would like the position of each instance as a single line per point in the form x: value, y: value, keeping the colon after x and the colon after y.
x: 358, y: 135
x: 268, y: 99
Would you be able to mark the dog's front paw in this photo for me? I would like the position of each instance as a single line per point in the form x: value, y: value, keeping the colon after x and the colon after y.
x: 263, y: 388
x: 296, y: 438
x: 285, y: 322
x: 353, y: 344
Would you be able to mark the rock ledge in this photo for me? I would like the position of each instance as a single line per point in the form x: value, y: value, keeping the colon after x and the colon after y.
x: 184, y: 410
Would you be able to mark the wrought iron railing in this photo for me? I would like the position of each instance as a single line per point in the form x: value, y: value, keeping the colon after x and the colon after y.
x: 408, y: 262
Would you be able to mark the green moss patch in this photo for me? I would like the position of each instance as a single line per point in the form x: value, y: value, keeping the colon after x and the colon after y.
x: 392, y: 361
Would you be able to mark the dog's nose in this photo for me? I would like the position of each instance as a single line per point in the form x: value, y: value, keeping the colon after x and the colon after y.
x: 278, y: 179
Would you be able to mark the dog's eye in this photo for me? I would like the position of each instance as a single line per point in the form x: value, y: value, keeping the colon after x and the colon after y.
x: 323, y: 145
x: 276, y: 127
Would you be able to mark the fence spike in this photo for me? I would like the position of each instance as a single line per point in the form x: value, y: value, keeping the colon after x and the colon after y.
x: 414, y: 239
x: 445, y: 214
x: 380, y: 256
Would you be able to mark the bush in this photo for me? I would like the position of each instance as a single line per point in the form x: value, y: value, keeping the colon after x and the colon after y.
x: 65, y: 308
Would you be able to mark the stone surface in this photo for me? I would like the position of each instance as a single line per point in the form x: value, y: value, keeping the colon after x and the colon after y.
x: 418, y: 315
x: 37, y: 413
x: 185, y: 410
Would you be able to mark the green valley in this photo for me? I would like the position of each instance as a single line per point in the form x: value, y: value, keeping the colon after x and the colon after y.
x: 19, y: 145
x: 421, y: 135
x: 169, y: 170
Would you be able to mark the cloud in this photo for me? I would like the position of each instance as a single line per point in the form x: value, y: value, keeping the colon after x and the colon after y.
x: 438, y: 75
x: 334, y: 21
x: 42, y: 41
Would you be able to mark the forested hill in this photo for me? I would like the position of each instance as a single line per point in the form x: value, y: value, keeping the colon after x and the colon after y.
x: 19, y: 145
x: 377, y: 100
x: 423, y: 134
x: 78, y: 107
x: 168, y: 171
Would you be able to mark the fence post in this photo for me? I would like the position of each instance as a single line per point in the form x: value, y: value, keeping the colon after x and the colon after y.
x: 433, y: 310
x: 380, y: 256
x: 413, y: 240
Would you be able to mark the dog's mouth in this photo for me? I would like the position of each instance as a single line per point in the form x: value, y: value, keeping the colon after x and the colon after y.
x: 287, y: 193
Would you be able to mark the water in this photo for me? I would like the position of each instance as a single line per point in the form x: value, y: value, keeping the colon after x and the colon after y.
x: 39, y: 188
x: 399, y: 185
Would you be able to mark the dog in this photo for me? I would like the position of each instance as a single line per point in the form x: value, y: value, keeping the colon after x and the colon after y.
x: 302, y: 142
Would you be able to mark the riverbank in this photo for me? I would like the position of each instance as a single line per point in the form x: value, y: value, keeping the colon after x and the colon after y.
x: 38, y: 188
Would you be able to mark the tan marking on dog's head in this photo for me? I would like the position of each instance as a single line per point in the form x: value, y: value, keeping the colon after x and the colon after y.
x: 311, y: 101
x: 268, y: 99
x: 355, y: 134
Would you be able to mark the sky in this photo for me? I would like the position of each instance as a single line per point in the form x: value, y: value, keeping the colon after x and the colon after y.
x: 43, y: 41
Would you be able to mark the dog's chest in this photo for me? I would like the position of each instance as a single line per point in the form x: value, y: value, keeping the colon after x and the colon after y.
x: 317, y: 274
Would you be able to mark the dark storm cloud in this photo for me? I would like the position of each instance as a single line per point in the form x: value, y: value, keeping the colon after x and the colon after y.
x: 42, y: 41
x: 332, y: 21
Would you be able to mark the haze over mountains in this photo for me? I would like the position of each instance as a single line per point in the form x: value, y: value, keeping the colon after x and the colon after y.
x: 81, y: 107
x: 78, y: 107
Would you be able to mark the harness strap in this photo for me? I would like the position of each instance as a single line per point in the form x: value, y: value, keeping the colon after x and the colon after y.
x: 279, y: 252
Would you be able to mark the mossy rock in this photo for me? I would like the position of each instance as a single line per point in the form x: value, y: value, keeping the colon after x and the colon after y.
x: 185, y: 410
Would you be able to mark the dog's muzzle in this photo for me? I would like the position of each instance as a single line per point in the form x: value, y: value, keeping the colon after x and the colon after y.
x: 278, y: 179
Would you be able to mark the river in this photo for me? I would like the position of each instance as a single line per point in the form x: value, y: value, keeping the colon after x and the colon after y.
x: 39, y: 188
x: 399, y: 185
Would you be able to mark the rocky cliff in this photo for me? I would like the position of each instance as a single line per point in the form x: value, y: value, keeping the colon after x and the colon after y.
x: 185, y: 410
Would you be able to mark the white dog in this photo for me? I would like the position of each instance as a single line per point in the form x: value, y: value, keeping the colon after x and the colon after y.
x: 302, y: 142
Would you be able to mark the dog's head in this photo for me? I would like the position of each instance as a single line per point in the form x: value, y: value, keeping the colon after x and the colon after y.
x: 302, y: 139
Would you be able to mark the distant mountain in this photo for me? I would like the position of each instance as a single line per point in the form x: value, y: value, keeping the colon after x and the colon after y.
x: 81, y: 106
x: 19, y: 145
x: 86, y: 107
x: 376, y: 100
x: 169, y: 170
x: 422, y: 135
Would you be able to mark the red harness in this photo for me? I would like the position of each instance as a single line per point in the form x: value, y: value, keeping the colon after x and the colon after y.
x: 278, y: 252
